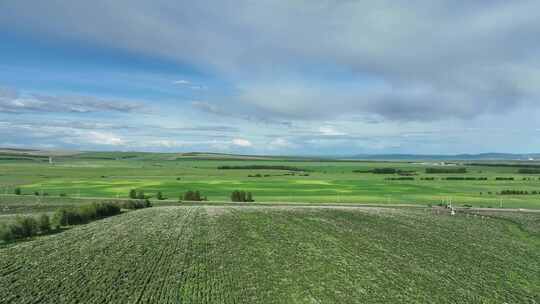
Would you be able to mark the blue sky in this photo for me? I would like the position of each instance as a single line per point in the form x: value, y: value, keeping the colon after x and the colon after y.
x: 271, y: 77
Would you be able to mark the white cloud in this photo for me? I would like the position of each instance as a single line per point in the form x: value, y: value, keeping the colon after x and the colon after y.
x: 241, y: 142
x: 191, y: 85
x: 96, y: 138
x: 182, y: 81
x: 330, y: 131
x: 11, y: 101
x: 280, y: 143
x: 165, y: 143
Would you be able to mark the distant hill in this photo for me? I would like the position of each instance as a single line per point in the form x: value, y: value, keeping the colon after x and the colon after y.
x: 467, y: 157
x: 11, y: 152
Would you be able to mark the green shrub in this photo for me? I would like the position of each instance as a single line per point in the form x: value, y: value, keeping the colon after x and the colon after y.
x: 140, y: 195
x: 135, y: 204
x: 24, y: 227
x: 160, y: 196
x: 132, y: 193
x: 44, y: 223
x: 60, y: 218
x: 17, y: 191
x: 6, y: 234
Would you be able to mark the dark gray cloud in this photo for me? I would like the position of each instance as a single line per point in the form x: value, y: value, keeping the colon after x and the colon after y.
x: 237, y: 110
x: 11, y: 101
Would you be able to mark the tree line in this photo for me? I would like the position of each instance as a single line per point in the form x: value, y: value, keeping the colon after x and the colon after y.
x: 261, y: 167
x: 529, y: 171
x: 518, y: 192
x: 28, y: 226
x: 25, y: 227
x: 466, y: 178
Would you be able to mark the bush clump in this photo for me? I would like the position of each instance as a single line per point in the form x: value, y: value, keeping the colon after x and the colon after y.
x: 241, y: 196
x: 193, y: 196
x: 25, y: 227
x: 159, y: 196
x: 44, y: 223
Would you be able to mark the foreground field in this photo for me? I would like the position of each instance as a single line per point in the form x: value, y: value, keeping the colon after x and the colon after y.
x: 278, y: 255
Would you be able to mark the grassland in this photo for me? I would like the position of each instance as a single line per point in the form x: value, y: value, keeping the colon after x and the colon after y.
x: 277, y: 255
x: 110, y: 175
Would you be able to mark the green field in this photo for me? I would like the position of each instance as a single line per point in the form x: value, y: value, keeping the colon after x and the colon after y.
x: 306, y: 239
x: 112, y: 175
x: 278, y: 255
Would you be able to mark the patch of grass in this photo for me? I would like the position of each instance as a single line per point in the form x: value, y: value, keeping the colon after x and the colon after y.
x: 328, y: 181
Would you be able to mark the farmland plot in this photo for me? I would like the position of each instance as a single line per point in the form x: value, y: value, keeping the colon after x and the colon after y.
x: 276, y: 255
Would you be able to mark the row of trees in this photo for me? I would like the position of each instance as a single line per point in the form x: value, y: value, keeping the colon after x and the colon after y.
x: 135, y: 204
x: 261, y: 167
x: 25, y: 227
x: 400, y: 178
x: 529, y: 171
x: 446, y: 170
x: 85, y: 214
x: 190, y: 195
x: 236, y: 196
x: 466, y: 178
x: 241, y: 196
x: 519, y: 192
x: 134, y: 194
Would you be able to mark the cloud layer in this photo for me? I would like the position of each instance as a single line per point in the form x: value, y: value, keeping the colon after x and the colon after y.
x: 307, y: 75
x: 410, y: 60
